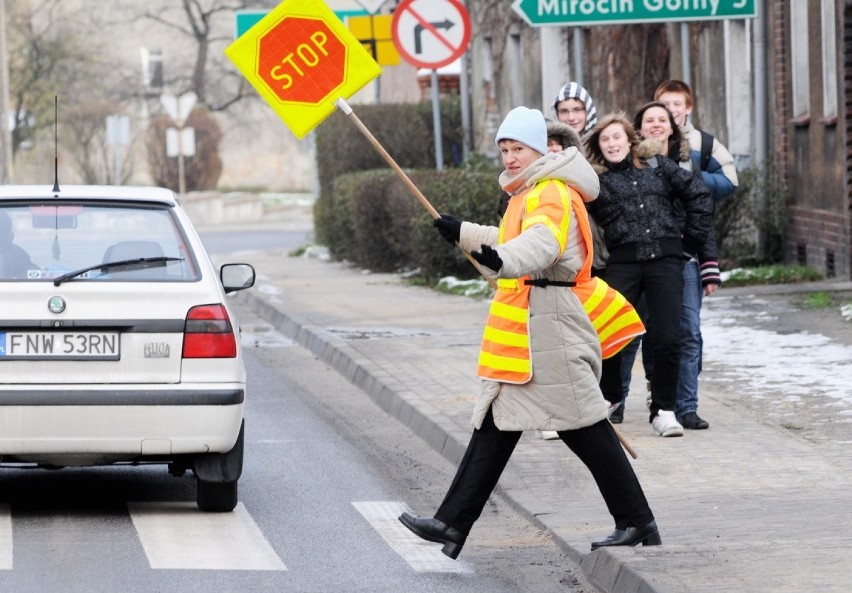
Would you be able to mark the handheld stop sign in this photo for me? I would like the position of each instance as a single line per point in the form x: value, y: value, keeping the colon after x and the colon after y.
x: 301, y: 59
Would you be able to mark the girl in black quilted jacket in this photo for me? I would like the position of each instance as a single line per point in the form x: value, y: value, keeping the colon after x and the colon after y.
x: 638, y: 211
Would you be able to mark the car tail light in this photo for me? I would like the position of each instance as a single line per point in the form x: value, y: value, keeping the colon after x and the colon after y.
x: 208, y: 333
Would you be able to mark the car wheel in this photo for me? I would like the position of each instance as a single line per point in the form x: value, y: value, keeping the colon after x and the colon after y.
x: 216, y: 477
x: 216, y: 497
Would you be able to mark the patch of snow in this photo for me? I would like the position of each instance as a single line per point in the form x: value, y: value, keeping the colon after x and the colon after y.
x: 799, y: 365
x: 319, y: 252
x: 472, y: 288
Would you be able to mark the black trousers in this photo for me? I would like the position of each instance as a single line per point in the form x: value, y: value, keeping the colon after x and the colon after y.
x: 597, y: 447
x: 661, y: 282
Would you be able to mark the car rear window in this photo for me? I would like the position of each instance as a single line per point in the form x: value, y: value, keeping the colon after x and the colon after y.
x: 44, y: 240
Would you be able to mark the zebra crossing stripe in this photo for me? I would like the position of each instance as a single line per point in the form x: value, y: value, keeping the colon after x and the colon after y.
x: 176, y: 535
x: 5, y: 537
x: 422, y: 556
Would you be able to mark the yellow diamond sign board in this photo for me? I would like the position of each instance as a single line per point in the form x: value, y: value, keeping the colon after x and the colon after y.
x: 301, y: 59
x: 376, y: 35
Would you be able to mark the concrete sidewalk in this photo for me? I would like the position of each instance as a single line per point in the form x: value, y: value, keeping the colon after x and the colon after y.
x: 745, y: 506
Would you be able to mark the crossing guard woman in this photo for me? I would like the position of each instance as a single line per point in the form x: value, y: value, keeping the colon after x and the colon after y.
x: 541, y: 356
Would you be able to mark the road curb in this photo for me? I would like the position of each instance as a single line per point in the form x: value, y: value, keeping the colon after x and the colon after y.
x: 787, y: 289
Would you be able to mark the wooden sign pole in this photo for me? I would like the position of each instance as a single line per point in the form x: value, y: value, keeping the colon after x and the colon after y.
x: 347, y: 110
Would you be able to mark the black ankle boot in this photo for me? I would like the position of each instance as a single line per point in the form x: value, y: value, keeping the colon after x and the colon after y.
x: 648, y: 536
x: 430, y: 529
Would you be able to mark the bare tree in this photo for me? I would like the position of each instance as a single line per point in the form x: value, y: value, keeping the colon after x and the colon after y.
x: 55, y: 58
x: 626, y: 63
x: 202, y: 169
x: 208, y: 26
x: 86, y: 142
x: 47, y: 60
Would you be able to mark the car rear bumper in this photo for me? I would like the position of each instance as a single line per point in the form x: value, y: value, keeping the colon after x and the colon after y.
x: 95, y: 434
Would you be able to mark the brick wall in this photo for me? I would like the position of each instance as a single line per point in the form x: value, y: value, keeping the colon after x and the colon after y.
x: 448, y: 84
x: 820, y: 239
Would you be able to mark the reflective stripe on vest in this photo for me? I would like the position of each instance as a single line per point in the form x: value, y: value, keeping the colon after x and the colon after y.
x: 505, y: 351
x: 613, y: 317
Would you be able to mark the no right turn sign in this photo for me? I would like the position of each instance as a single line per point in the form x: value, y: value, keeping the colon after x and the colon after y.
x: 431, y: 33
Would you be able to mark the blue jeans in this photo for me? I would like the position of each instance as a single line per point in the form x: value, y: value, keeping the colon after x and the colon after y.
x: 691, y: 343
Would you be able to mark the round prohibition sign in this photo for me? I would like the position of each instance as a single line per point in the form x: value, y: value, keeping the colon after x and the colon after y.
x: 431, y: 33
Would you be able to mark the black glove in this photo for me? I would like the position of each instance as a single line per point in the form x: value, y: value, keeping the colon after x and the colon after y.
x: 450, y: 228
x: 488, y: 257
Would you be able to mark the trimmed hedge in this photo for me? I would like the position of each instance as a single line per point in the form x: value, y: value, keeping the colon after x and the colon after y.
x: 373, y: 221
x: 405, y: 131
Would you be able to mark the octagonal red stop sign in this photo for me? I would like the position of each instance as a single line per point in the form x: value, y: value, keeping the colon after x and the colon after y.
x: 301, y: 60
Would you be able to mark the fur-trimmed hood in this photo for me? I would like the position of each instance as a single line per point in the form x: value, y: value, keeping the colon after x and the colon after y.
x: 651, y: 147
x: 569, y: 166
x: 565, y: 134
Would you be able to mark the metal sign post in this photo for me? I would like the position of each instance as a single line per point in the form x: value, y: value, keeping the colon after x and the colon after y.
x: 5, y: 115
x: 436, y: 123
x: 179, y: 109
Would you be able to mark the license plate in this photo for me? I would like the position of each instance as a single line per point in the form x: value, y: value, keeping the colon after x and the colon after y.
x: 59, y: 345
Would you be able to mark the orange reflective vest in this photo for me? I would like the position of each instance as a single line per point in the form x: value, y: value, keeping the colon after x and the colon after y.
x: 505, y: 352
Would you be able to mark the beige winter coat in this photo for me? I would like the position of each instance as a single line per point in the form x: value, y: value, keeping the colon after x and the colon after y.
x: 563, y: 393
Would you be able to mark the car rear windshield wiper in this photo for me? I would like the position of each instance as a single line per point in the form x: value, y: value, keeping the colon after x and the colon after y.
x: 137, y: 263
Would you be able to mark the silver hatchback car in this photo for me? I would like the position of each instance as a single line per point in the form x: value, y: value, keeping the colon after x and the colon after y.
x: 117, y: 343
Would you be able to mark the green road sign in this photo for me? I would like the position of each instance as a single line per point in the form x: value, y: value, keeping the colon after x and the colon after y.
x: 578, y: 13
x: 246, y: 19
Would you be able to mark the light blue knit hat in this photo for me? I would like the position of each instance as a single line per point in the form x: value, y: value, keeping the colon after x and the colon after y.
x: 526, y: 126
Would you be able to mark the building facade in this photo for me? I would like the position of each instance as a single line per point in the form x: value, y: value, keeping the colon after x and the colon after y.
x: 776, y: 90
x: 811, y: 90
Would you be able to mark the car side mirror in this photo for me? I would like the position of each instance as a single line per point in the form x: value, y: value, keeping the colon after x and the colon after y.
x: 236, y: 276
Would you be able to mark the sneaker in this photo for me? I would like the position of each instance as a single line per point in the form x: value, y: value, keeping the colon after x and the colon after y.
x: 665, y: 425
x: 693, y: 421
x: 616, y: 413
x: 549, y: 435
